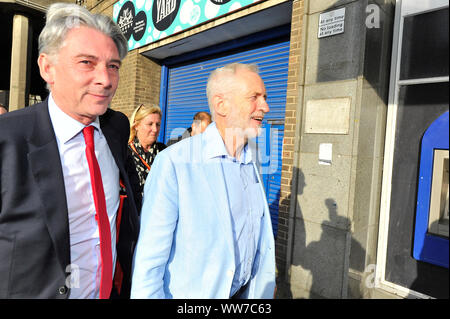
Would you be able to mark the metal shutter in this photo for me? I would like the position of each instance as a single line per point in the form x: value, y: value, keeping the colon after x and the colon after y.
x: 186, y: 95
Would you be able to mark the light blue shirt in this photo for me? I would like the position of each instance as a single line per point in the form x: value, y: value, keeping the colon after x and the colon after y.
x: 246, y: 203
x: 199, y: 210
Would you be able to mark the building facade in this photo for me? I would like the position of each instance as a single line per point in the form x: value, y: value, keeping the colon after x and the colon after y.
x: 358, y: 91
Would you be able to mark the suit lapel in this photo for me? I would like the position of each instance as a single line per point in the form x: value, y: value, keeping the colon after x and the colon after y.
x: 45, y: 164
x: 115, y: 145
x: 113, y: 141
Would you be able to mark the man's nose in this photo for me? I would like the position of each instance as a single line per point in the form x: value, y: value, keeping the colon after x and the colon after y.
x: 102, y: 76
x: 264, y: 106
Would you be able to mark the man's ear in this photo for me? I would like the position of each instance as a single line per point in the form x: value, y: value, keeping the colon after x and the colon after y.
x: 46, y: 68
x: 220, y: 104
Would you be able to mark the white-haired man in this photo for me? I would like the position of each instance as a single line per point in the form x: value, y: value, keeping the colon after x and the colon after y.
x: 205, y: 228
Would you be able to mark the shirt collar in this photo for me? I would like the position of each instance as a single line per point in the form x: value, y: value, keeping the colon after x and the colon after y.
x: 66, y: 127
x: 216, y: 146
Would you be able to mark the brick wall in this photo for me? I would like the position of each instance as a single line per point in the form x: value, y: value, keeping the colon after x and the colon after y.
x: 290, y: 129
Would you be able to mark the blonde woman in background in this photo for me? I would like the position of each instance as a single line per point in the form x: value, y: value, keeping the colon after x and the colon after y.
x: 145, y: 124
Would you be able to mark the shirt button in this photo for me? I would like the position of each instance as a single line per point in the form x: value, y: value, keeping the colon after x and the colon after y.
x: 62, y: 290
x: 230, y: 272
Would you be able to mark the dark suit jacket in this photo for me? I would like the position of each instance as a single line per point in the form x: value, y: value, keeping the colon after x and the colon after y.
x: 34, y: 228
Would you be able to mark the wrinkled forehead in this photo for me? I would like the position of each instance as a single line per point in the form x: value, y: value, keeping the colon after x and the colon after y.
x: 86, y: 39
x: 250, y: 80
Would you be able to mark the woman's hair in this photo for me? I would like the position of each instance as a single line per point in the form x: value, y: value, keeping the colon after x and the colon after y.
x: 222, y: 80
x: 139, y: 114
x: 62, y: 17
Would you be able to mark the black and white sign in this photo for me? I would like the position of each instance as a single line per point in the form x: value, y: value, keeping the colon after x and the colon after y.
x: 131, y: 24
x: 164, y: 13
x: 140, y: 25
x: 331, y: 23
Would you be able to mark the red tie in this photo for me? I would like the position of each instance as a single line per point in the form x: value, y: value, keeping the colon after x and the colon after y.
x: 101, y: 215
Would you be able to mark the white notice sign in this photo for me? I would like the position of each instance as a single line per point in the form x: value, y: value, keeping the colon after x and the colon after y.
x: 325, y: 153
x: 331, y: 23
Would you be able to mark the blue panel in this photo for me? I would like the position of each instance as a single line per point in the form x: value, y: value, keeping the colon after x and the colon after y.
x: 427, y: 247
x: 186, y: 95
x: 163, y: 100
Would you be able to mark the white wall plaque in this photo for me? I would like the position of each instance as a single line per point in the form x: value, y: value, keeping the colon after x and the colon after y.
x: 331, y: 23
x: 328, y: 116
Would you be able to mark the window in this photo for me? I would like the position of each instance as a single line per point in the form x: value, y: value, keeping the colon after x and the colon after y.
x: 413, y: 231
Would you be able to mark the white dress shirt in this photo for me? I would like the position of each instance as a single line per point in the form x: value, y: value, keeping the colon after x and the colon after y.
x: 85, y: 255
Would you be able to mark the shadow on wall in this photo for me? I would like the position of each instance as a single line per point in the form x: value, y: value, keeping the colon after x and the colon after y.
x: 323, y: 259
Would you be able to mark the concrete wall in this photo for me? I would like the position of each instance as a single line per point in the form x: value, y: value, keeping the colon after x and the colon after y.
x: 333, y: 220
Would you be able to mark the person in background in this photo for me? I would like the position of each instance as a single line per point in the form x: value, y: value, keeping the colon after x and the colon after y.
x: 3, y: 109
x: 145, y: 124
x: 63, y: 221
x: 186, y: 134
x: 205, y: 222
x: 200, y: 123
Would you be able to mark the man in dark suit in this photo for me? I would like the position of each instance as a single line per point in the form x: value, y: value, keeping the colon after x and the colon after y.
x: 52, y: 244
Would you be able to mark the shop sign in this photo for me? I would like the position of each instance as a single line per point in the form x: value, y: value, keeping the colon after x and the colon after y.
x: 146, y: 21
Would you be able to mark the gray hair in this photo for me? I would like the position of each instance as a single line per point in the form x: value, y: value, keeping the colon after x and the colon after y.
x: 222, y: 81
x: 62, y: 17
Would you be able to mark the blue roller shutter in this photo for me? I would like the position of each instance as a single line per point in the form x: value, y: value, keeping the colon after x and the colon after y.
x: 186, y: 95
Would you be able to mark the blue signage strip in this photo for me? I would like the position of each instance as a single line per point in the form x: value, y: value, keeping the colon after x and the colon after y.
x: 146, y: 21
